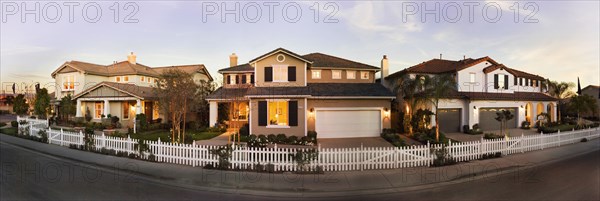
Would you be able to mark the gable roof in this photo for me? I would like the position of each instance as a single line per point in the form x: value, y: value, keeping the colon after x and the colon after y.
x: 239, y: 68
x: 131, y: 89
x: 324, y: 60
x: 127, y: 68
x: 440, y: 66
x: 280, y: 50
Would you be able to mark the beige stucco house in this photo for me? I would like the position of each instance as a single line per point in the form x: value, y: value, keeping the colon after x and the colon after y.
x: 284, y: 92
x: 121, y: 89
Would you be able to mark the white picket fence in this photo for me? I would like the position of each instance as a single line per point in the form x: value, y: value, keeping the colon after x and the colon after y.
x: 330, y: 159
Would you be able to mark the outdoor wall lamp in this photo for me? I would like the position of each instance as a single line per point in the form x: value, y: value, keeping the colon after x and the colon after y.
x: 386, y: 112
x: 311, y: 110
x: 474, y: 107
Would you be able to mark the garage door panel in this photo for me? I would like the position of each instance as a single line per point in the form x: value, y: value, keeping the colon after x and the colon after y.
x: 487, y: 118
x: 344, y: 124
x: 449, y: 120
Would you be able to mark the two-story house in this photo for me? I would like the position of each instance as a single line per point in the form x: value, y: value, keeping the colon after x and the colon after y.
x: 284, y: 92
x: 121, y: 89
x: 593, y: 91
x: 484, y: 87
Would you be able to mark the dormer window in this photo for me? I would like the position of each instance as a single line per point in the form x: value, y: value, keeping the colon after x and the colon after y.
x: 142, y: 78
x: 350, y: 74
x: 336, y: 74
x: 364, y: 75
x: 316, y: 74
x: 69, y: 83
x: 232, y: 79
x: 126, y: 78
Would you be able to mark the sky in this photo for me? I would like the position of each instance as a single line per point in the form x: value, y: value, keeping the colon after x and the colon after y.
x: 559, y: 40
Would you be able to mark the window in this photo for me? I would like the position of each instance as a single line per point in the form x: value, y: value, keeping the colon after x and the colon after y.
x: 118, y: 79
x: 232, y: 79
x: 242, y: 112
x: 350, y: 74
x: 149, y: 80
x: 126, y: 108
x: 69, y: 83
x: 142, y: 78
x: 526, y: 82
x: 126, y: 78
x: 278, y: 113
x: 316, y: 74
x: 336, y: 74
x: 472, y: 77
x: 364, y: 75
x: 98, y: 109
x: 521, y: 81
x: 500, y: 81
x: 280, y: 73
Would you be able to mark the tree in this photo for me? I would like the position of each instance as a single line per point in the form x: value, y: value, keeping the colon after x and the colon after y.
x: 176, y: 90
x: 67, y: 107
x: 560, y: 91
x: 201, y: 105
x: 20, y: 106
x: 409, y: 88
x: 503, y: 116
x: 436, y: 88
x: 41, y: 107
x: 583, y: 103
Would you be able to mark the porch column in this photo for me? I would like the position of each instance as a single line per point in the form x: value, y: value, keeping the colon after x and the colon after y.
x: 78, y: 109
x: 138, y: 106
x: 213, y: 113
x: 106, y: 107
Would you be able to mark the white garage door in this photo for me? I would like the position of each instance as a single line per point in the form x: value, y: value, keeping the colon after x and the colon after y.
x: 348, y: 123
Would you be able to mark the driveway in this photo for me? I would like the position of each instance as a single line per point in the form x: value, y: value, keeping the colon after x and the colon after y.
x: 353, y: 142
x: 512, y: 132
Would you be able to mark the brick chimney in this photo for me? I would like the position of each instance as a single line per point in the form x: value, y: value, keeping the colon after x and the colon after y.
x: 385, y: 68
x: 233, y: 60
x: 131, y: 58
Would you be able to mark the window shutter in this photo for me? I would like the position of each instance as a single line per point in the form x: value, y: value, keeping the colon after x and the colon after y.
x: 530, y: 82
x: 292, y: 73
x: 252, y: 78
x: 268, y: 74
x: 496, y: 81
x: 237, y: 79
x: 293, y: 112
x: 228, y: 80
x: 243, y: 79
x: 516, y: 81
x: 262, y: 113
x: 505, y: 81
x: 521, y: 81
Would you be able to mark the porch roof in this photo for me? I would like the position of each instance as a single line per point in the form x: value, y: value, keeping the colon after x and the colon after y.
x: 145, y: 93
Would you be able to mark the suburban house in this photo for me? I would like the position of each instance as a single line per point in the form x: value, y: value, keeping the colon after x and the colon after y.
x: 284, y: 92
x: 593, y: 91
x: 484, y: 87
x: 121, y: 89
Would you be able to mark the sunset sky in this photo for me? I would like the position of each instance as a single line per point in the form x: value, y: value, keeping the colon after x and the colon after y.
x: 560, y: 41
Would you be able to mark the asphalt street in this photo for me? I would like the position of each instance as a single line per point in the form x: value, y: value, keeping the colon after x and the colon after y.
x: 30, y: 175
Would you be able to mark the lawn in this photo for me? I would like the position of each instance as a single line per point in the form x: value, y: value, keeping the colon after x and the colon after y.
x: 164, y: 135
x: 9, y: 131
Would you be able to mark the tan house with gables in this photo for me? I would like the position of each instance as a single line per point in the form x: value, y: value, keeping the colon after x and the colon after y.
x: 284, y: 92
x: 121, y: 89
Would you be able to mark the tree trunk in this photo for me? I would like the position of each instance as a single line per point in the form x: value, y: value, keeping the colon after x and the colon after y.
x: 437, y: 126
x: 184, y: 115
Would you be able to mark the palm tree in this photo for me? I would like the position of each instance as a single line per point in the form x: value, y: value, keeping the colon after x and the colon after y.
x: 436, y: 88
x: 503, y: 116
x: 560, y: 91
x: 583, y: 103
x: 409, y: 88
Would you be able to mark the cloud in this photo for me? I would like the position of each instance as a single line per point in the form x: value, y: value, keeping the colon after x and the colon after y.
x: 25, y: 49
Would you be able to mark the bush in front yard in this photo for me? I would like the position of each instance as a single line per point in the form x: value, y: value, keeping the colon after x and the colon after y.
x: 429, y: 136
x: 245, y: 130
x: 14, y: 124
x: 491, y: 136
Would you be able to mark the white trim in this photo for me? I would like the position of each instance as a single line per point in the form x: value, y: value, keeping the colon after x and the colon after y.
x: 288, y: 53
x: 305, y: 74
x: 274, y: 95
x: 277, y: 126
x: 104, y: 84
x: 249, y: 116
x: 306, y: 117
x: 111, y: 98
x: 234, y: 72
x: 335, y: 68
x: 283, y: 76
x: 224, y: 99
x: 277, y: 58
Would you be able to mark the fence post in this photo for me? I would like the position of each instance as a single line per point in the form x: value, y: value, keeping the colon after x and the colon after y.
x: 49, y: 134
x: 481, y: 147
x: 362, y: 156
x: 159, y: 151
x: 30, y: 128
x: 61, y: 136
x: 559, y: 137
x: 521, y: 143
x: 542, y: 139
x: 81, y: 137
x: 129, y: 144
x: 103, y: 140
x: 428, y: 155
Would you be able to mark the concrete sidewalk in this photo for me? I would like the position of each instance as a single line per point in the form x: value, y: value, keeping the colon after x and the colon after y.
x: 328, y: 184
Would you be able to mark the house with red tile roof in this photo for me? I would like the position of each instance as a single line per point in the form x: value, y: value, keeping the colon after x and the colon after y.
x: 121, y: 89
x: 285, y: 92
x: 484, y: 87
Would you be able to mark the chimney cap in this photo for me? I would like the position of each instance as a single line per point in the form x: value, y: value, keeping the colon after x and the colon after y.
x: 384, y: 56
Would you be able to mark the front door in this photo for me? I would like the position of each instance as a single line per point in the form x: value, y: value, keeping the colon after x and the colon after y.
x: 148, y: 110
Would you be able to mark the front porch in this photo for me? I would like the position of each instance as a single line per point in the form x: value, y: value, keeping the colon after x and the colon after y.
x: 125, y: 109
x: 232, y: 114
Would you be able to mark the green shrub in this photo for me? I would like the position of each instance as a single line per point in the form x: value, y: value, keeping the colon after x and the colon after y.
x: 281, y: 138
x: 14, y: 124
x: 525, y: 125
x: 245, y: 130
x: 442, y: 157
x: 2, y: 124
x: 429, y: 136
x: 491, y: 136
x: 292, y: 140
x: 272, y: 138
x: 142, y: 121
